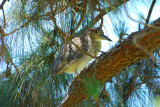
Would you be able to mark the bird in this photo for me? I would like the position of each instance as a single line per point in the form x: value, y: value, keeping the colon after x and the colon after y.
x: 71, y: 60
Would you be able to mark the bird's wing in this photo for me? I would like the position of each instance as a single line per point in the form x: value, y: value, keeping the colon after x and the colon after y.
x: 71, y: 53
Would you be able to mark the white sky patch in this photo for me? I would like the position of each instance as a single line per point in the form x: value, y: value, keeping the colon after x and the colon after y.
x: 108, y: 31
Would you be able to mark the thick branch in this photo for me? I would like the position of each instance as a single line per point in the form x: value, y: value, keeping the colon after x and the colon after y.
x: 115, y: 60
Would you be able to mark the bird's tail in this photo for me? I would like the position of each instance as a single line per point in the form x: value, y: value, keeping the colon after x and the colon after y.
x: 56, y: 65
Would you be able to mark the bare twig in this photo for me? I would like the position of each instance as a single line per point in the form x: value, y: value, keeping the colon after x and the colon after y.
x: 20, y: 26
x: 139, y: 85
x: 101, y: 16
x: 30, y: 19
x: 147, y: 76
x: 3, y: 49
x: 130, y: 87
x: 150, y: 11
x: 54, y: 20
x: 18, y: 72
x: 2, y: 4
x: 128, y: 14
x: 4, y: 18
x: 84, y: 10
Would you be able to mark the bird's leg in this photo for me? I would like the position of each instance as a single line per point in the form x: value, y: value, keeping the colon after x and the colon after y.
x: 101, y: 51
x: 95, y: 51
x: 76, y: 73
x: 95, y: 54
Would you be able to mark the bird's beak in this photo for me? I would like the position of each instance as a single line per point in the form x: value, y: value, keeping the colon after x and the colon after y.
x: 105, y: 37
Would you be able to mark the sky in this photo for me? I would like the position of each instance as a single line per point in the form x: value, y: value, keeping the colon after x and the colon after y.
x: 138, y: 8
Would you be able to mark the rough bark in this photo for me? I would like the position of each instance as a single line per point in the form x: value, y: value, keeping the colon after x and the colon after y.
x: 139, y: 45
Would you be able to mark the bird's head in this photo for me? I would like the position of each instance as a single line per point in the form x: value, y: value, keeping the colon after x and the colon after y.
x: 98, y: 35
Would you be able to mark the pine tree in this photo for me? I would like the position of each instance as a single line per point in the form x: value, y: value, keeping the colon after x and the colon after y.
x: 33, y: 33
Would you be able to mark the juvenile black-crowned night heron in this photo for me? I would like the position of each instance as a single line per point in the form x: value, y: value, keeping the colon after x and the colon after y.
x: 71, y: 60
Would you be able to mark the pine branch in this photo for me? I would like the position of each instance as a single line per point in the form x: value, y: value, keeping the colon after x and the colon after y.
x: 116, y: 59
